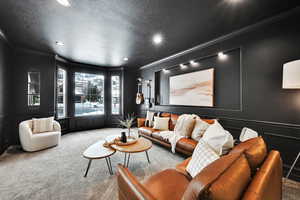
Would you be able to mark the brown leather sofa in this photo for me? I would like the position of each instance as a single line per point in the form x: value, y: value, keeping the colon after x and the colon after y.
x: 185, y: 146
x: 248, y: 172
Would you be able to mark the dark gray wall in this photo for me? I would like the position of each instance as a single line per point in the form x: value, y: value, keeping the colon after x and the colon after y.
x: 24, y: 62
x: 266, y: 107
x: 5, y: 92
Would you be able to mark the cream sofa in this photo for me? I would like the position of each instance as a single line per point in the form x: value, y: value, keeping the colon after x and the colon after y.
x: 34, y: 142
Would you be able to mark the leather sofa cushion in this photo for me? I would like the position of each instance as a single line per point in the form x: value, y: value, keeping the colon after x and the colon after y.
x: 158, y: 136
x: 173, y: 121
x: 209, y: 121
x: 187, y: 144
x: 147, y: 130
x: 255, y: 150
x: 165, y: 114
x: 225, y: 179
x: 267, y: 183
x: 233, y: 182
x: 181, y: 167
x: 166, y: 185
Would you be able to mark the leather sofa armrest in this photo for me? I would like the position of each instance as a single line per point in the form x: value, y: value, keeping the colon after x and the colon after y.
x: 129, y: 187
x: 141, y: 122
x: 181, y: 167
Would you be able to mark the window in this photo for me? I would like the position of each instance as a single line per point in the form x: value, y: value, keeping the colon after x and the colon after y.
x: 33, y: 92
x: 61, y: 93
x: 89, y: 94
x: 115, y: 95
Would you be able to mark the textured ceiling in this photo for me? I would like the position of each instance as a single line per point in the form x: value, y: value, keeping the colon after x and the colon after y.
x: 103, y: 32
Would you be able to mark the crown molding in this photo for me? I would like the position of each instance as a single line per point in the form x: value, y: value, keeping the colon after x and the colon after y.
x: 225, y: 37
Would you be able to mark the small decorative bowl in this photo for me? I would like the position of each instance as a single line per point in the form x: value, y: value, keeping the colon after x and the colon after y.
x: 130, y: 140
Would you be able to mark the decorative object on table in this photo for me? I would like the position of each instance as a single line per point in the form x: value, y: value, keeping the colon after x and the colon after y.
x: 128, y: 122
x: 290, y: 75
x: 129, y: 140
x: 139, y: 95
x: 192, y: 89
x: 123, y: 137
x: 148, y: 99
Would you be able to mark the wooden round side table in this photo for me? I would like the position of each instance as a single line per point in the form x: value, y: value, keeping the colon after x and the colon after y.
x: 142, y: 145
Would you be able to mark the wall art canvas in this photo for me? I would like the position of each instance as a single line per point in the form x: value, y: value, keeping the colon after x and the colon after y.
x: 192, y: 89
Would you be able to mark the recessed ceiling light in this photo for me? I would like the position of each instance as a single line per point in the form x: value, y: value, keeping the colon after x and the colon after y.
x: 59, y: 43
x: 166, y: 71
x: 65, y: 3
x: 183, y: 66
x: 222, y: 56
x: 157, y: 39
x: 192, y: 62
x: 125, y: 59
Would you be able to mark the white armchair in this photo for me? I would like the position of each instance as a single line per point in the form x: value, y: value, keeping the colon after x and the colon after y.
x: 35, y: 142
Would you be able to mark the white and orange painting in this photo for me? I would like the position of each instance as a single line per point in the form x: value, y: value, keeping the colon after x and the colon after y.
x: 192, y: 89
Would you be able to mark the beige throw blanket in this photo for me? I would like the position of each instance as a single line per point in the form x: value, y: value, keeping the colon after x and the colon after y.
x: 183, y: 129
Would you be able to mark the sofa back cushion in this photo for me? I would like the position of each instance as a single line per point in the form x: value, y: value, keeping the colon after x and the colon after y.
x: 173, y: 121
x: 255, y: 150
x: 267, y: 182
x: 225, y: 178
x: 209, y: 121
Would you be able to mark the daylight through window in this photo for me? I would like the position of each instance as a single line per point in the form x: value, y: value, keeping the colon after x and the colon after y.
x: 115, y: 95
x: 61, y: 93
x: 33, y: 89
x: 89, y: 94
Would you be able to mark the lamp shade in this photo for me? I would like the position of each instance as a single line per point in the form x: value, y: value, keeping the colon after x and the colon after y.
x: 291, y: 75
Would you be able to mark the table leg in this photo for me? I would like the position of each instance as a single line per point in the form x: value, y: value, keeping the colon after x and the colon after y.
x: 109, y: 165
x: 125, y: 158
x: 147, y: 157
x: 128, y: 160
x: 88, y: 167
x: 293, y: 165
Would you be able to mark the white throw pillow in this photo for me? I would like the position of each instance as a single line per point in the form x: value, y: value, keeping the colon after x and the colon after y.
x: 218, y: 138
x: 42, y: 125
x: 161, y: 123
x: 199, y: 129
x: 202, y: 156
x: 247, y: 134
x: 184, y: 125
x: 149, y: 119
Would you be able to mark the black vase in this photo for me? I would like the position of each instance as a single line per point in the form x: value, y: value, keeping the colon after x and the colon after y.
x: 123, y: 137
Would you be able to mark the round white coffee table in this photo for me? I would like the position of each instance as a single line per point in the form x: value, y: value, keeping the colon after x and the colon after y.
x: 98, y: 151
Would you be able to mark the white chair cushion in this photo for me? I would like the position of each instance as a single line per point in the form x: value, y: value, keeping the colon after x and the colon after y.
x: 203, y: 155
x: 42, y: 125
x: 218, y: 138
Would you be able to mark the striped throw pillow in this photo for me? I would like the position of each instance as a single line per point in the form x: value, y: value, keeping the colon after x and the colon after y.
x: 203, y: 156
x: 42, y: 125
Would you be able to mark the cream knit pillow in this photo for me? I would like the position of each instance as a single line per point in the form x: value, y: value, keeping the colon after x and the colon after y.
x: 42, y: 125
x: 161, y: 123
x: 199, y: 129
x: 185, y: 125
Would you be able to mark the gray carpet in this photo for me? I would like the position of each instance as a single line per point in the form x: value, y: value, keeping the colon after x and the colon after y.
x: 57, y: 173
